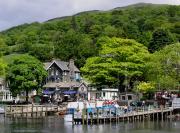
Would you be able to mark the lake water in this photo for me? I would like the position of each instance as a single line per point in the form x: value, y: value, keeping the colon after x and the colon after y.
x: 56, y: 124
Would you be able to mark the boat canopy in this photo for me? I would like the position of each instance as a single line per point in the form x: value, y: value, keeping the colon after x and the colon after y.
x: 48, y: 92
x: 69, y: 92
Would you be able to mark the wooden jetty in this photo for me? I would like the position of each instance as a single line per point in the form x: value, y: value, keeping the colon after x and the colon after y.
x: 32, y: 110
x: 151, y: 114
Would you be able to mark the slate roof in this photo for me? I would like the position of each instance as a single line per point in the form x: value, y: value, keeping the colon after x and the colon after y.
x: 62, y: 84
x: 61, y: 64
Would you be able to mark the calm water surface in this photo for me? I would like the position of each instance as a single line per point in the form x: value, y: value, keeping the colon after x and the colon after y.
x: 55, y: 124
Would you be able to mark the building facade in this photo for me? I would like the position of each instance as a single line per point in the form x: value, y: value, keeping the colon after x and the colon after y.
x: 64, y: 79
x: 5, y: 94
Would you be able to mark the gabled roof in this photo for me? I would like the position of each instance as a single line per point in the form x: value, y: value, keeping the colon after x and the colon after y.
x: 61, y: 64
x: 72, y: 84
x: 62, y: 85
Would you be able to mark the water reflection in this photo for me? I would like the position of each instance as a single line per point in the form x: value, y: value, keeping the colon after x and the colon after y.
x: 55, y: 124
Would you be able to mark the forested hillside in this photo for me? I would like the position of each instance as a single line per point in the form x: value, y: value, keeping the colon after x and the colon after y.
x: 77, y: 36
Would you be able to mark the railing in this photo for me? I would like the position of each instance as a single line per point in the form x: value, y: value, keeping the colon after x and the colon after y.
x: 25, y: 109
x: 121, y: 112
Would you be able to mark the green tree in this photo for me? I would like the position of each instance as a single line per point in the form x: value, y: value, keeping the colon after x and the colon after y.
x: 164, y: 67
x: 3, y: 66
x: 160, y: 38
x: 119, y: 62
x: 25, y: 74
x: 110, y: 31
x: 3, y: 46
x: 147, y: 89
x: 176, y: 30
x: 43, y: 52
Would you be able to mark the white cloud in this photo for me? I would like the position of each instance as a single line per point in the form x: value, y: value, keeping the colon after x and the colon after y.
x: 13, y: 12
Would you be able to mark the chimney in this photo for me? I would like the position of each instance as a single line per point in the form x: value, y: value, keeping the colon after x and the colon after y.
x: 71, y: 68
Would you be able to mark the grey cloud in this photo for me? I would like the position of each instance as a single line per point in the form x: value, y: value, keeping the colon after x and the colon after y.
x: 14, y: 12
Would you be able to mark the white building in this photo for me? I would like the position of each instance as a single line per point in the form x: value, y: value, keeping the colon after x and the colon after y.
x: 109, y: 94
x: 5, y: 94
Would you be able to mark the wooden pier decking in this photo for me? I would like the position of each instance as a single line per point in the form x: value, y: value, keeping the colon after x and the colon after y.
x: 31, y: 110
x: 155, y: 114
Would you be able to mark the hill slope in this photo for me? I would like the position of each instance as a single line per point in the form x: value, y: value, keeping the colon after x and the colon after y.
x: 77, y: 36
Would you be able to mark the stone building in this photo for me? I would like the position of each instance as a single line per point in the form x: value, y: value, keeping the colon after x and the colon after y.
x: 64, y: 79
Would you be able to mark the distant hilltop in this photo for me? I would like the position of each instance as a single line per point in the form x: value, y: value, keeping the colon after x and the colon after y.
x: 78, y: 36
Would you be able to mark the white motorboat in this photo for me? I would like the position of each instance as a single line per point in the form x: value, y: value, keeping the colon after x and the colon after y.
x: 1, y: 110
x: 68, y: 118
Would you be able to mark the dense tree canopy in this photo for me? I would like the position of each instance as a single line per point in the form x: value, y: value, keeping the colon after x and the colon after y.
x: 95, y: 36
x: 119, y: 62
x: 146, y: 88
x: 3, y: 66
x: 25, y: 73
x: 164, y: 67
x: 160, y: 38
x: 66, y: 37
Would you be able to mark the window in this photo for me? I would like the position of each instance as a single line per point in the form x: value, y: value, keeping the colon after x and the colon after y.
x: 129, y: 97
x: 104, y: 94
x: 52, y: 72
x: 123, y: 97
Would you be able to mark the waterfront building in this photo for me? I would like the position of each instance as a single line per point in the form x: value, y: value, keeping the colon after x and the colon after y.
x: 109, y: 94
x: 5, y: 94
x: 126, y: 98
x: 64, y: 80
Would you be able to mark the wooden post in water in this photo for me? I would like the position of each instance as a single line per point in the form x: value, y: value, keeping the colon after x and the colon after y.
x: 41, y: 112
x: 73, y: 118
x: 83, y: 114
x: 162, y: 115
x: 133, y: 117
x: 10, y: 109
x: 5, y: 110
x: 116, y: 113
x: 91, y: 119
x: 32, y: 110
x: 97, y: 116
x: 123, y: 117
x: 110, y: 114
x: 36, y: 110
x: 22, y: 110
x: 103, y: 110
x: 27, y: 110
x: 46, y: 110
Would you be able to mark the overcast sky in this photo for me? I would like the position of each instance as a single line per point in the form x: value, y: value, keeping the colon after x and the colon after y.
x: 16, y: 12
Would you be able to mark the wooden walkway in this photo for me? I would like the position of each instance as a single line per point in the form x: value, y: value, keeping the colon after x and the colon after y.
x: 32, y: 110
x: 155, y: 114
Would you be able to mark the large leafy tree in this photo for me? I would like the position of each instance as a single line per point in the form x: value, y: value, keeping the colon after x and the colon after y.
x: 3, y: 66
x: 120, y: 62
x: 25, y: 73
x: 160, y: 38
x: 3, y: 46
x: 164, y: 67
x: 146, y: 88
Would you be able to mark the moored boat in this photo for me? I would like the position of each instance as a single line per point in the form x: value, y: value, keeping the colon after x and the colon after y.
x: 2, y: 110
